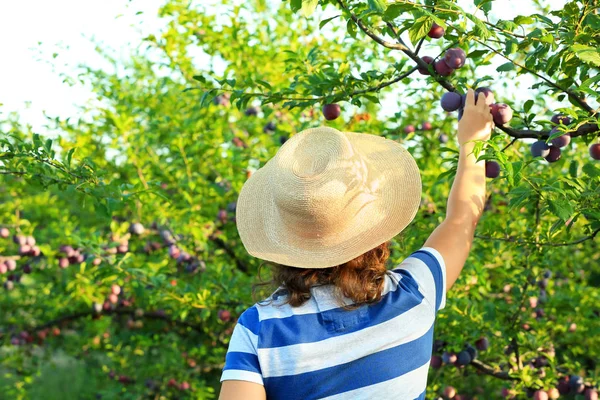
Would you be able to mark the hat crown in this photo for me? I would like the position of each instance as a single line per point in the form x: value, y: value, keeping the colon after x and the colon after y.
x: 322, y: 182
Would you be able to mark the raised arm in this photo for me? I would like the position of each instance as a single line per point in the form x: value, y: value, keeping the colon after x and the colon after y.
x: 454, y: 236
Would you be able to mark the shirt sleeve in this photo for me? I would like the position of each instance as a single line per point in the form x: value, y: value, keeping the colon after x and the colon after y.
x: 427, y: 267
x: 241, y: 361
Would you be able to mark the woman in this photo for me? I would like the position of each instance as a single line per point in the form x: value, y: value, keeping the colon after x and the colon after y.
x: 341, y: 326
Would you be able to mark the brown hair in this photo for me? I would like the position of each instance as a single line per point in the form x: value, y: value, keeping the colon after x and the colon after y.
x: 360, y: 279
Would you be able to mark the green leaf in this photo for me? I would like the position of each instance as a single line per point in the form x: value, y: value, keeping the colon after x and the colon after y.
x: 509, y: 66
x: 523, y: 20
x: 477, y: 54
x: 351, y: 28
x: 395, y: 10
x: 591, y: 170
x: 589, y: 81
x: 296, y: 5
x: 378, y: 6
x: 326, y: 21
x: 420, y: 28
x: 70, y: 156
x: 587, y: 54
x: 263, y: 83
x: 511, y: 47
x: 561, y: 208
x: 308, y: 7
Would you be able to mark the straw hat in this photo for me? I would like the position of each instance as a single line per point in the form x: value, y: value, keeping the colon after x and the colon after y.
x: 327, y: 197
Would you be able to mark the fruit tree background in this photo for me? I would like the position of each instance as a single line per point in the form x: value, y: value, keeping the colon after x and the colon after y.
x: 121, y: 267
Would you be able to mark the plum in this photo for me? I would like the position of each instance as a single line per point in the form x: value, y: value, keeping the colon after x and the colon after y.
x: 540, y: 395
x: 97, y: 308
x: 455, y: 58
x: 436, y: 31
x: 30, y: 241
x: 443, y: 138
x: 20, y: 240
x: 3, y: 268
x: 591, y: 394
x: 540, y: 149
x: 409, y: 129
x: 595, y: 151
x: 269, y: 127
x: 11, y: 265
x: 487, y: 92
x: 137, y: 228
x: 63, y: 262
x: 449, y: 392
x: 115, y: 289
x: 4, y: 233
x: 492, y: 169
x: 426, y: 126
x: 442, y: 68
x: 554, y: 154
x: 331, y: 111
x: 9, y: 285
x: 428, y: 60
x: 252, y: 111
x: 502, y: 113
x: 562, y: 140
x: 553, y: 393
x: 282, y: 140
x: 451, y: 101
x: 436, y: 362
x: 560, y: 119
x: 27, y: 269
x: 482, y: 344
x: 463, y: 358
x: 224, y: 315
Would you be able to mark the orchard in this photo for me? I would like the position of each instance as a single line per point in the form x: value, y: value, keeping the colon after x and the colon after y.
x: 121, y: 268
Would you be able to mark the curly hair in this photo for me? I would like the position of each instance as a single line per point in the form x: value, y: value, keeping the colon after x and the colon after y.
x: 360, y: 279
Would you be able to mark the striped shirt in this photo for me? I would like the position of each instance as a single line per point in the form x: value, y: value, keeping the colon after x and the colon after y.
x: 321, y: 351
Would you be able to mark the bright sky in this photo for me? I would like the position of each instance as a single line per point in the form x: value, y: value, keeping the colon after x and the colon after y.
x: 33, y: 30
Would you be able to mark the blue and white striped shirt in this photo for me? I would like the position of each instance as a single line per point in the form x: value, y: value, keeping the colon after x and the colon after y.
x: 321, y: 351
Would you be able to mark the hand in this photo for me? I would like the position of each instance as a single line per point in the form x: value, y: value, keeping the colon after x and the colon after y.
x: 476, y: 122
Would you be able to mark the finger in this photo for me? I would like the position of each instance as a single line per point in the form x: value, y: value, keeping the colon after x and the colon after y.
x: 470, y: 102
x: 481, y: 102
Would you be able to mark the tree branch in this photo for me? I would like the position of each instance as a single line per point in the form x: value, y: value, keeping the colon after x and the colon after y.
x: 519, y: 241
x: 156, y: 315
x: 489, y: 370
x: 572, y: 95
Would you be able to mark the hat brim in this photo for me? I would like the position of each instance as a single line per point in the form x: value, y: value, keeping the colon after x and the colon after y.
x: 265, y: 236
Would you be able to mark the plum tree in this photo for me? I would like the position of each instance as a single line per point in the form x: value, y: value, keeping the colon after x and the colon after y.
x: 595, y: 151
x: 553, y: 155
x: 540, y: 149
x: 436, y: 31
x: 451, y: 101
x: 331, y: 111
x: 492, y: 169
x: 455, y: 58
x: 428, y: 60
